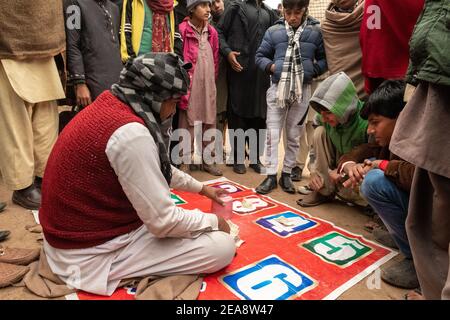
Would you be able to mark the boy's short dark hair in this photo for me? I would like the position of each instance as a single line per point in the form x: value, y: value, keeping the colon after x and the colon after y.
x: 386, y: 100
x: 292, y: 4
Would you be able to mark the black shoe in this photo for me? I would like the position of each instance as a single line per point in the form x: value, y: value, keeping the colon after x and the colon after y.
x: 239, y: 168
x: 2, y: 206
x: 267, y: 185
x: 286, y: 183
x: 296, y: 174
x: 258, y: 167
x: 38, y: 182
x: 28, y: 198
x: 4, y: 234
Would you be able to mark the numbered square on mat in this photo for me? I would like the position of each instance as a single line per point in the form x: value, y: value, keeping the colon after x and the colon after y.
x: 251, y: 204
x: 228, y: 186
x: 338, y: 249
x: 268, y: 279
x: 286, y: 224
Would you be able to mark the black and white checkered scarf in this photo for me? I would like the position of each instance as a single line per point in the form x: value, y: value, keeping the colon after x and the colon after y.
x: 291, y: 80
x: 144, y: 84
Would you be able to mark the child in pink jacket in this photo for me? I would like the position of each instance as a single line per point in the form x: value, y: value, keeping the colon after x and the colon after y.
x: 198, y: 106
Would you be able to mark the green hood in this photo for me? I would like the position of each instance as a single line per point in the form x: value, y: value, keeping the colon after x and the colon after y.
x: 337, y: 94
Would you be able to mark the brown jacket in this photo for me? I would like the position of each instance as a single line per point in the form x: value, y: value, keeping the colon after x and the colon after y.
x: 31, y: 29
x: 398, y: 170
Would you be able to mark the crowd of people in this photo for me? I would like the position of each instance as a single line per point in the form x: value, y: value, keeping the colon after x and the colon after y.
x: 157, y: 80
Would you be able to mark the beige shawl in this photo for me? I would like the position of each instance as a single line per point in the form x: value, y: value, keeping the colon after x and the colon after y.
x: 31, y: 29
x: 341, y: 37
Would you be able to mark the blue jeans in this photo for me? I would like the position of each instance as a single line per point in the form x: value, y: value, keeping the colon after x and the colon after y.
x: 391, y: 205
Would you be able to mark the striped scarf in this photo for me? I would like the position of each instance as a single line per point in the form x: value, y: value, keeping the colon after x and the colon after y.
x: 144, y: 84
x: 291, y: 80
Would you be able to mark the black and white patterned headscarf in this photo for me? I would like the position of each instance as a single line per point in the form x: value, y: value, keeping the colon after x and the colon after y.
x: 144, y: 84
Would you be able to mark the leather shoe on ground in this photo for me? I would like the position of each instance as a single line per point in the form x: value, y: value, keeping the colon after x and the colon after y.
x: 267, y: 185
x: 38, y: 182
x: 28, y: 198
x: 239, y: 168
x: 10, y: 274
x: 296, y: 174
x: 314, y: 199
x: 18, y: 256
x: 286, y: 183
x: 401, y: 274
x: 2, y: 206
x: 257, y: 167
x: 4, y: 234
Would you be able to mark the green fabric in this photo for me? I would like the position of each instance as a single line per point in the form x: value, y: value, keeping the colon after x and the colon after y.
x: 430, y: 45
x: 146, y: 40
x: 338, y: 94
x: 347, y: 136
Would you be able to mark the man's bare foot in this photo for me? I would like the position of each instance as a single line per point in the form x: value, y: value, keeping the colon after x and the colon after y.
x: 414, y: 295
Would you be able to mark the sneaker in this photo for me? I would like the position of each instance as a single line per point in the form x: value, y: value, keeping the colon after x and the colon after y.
x: 401, y: 274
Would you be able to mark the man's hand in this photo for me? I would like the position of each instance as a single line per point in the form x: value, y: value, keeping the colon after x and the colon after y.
x: 83, y: 95
x: 233, y: 61
x: 356, y: 173
x: 272, y: 68
x: 223, y: 225
x: 214, y: 193
x: 316, y: 182
x: 334, y: 176
x: 372, y: 164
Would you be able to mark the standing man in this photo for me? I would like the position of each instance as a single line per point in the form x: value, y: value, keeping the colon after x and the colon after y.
x: 241, y: 30
x: 93, y: 68
x: 32, y: 36
x: 421, y: 137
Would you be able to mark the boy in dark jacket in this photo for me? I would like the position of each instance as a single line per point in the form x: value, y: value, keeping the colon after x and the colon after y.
x: 292, y: 52
x: 385, y: 179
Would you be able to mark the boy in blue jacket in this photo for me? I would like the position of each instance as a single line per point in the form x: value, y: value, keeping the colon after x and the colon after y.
x: 293, y: 53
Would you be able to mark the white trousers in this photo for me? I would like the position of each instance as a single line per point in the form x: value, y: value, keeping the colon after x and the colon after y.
x: 139, y: 253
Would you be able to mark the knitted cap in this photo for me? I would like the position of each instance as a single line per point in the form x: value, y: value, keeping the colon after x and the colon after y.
x: 190, y: 4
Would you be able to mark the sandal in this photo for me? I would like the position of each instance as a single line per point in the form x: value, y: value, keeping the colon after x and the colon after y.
x: 314, y: 199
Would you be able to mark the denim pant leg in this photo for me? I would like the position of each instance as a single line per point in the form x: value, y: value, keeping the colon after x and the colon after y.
x: 391, y: 204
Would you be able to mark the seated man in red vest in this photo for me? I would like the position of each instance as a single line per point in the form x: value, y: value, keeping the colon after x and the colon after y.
x: 106, y: 212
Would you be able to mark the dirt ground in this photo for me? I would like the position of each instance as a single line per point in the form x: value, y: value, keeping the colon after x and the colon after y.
x: 15, y: 218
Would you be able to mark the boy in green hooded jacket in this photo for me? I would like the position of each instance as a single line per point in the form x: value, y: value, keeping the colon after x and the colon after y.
x: 340, y: 129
